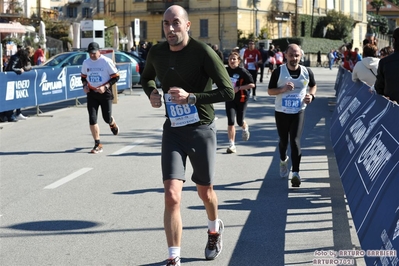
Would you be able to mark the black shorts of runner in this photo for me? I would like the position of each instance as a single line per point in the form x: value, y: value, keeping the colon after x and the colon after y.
x: 236, y: 110
x: 94, y: 100
x: 198, y: 143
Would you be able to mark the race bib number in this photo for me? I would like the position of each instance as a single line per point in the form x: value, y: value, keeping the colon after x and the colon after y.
x: 251, y: 66
x: 291, y: 103
x: 180, y: 114
x: 234, y: 80
x: 95, y: 79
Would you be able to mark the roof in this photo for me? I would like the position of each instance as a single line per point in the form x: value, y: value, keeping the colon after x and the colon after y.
x: 388, y: 7
x: 12, y: 27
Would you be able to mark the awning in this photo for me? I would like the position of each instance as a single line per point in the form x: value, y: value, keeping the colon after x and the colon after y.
x: 30, y: 28
x: 12, y: 28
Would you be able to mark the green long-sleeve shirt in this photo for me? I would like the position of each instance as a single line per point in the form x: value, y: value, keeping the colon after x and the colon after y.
x: 194, y: 68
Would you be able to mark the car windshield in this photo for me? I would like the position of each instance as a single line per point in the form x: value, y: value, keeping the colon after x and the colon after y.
x: 55, y: 60
x: 121, y: 58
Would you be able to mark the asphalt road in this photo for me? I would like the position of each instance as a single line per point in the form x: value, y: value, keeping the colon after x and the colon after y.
x: 61, y: 205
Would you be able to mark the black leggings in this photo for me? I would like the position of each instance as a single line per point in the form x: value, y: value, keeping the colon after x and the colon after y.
x: 92, y: 107
x: 290, y: 126
x: 235, y: 109
x: 254, y: 74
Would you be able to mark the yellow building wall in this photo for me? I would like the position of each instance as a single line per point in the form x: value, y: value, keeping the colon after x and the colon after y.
x: 233, y: 15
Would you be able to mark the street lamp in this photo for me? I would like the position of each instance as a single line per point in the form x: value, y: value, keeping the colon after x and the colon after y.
x: 39, y: 39
x: 123, y: 41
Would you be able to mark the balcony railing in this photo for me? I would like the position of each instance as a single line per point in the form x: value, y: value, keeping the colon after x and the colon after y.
x: 159, y: 6
x: 74, y: 2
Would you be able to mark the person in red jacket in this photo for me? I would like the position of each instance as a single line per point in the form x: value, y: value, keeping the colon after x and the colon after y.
x: 38, y: 57
x: 252, y: 58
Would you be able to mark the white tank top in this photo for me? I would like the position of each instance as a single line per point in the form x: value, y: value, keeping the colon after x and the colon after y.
x: 291, y: 102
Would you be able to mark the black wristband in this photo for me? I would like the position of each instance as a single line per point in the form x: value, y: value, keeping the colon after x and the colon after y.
x: 312, y: 97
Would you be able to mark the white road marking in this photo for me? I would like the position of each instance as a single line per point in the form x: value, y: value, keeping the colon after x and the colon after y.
x: 68, y: 178
x: 128, y: 147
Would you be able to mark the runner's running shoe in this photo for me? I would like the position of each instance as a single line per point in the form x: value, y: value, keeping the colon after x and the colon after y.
x: 295, y: 179
x: 215, y: 243
x: 231, y: 149
x: 245, y: 134
x: 97, y: 148
x: 284, y: 168
x: 173, y: 262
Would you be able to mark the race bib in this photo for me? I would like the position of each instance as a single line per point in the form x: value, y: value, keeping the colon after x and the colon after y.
x: 251, y: 66
x: 93, y: 79
x: 291, y: 103
x: 234, y: 80
x: 180, y: 114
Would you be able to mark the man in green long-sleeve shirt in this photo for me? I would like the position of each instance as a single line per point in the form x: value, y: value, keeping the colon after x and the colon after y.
x: 187, y: 69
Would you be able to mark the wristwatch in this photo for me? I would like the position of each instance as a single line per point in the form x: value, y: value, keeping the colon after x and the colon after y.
x: 191, y: 99
x: 312, y: 97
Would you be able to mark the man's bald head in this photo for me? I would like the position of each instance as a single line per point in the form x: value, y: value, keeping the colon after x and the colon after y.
x: 177, y: 11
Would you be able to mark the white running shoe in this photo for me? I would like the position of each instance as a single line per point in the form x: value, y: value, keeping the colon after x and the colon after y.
x: 231, y: 149
x: 295, y: 179
x: 284, y: 171
x: 21, y: 117
x: 245, y: 134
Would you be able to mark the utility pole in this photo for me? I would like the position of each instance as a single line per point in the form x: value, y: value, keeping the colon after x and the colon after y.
x: 124, y: 16
x: 296, y: 18
x: 311, y: 25
x: 39, y: 9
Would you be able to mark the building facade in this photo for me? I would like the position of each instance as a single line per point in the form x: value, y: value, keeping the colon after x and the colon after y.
x: 213, y: 21
x: 218, y: 21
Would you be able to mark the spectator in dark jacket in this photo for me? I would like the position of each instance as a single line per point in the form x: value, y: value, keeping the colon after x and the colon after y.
x: 387, y: 80
x: 19, y: 63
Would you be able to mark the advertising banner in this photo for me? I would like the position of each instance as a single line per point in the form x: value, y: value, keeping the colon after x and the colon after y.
x: 17, y: 90
x: 48, y: 85
x: 365, y: 138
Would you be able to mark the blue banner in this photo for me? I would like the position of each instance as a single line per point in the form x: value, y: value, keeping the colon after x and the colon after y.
x: 17, y: 90
x: 49, y: 85
x: 365, y: 138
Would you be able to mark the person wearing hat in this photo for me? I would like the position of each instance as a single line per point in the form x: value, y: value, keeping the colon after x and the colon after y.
x: 98, y: 74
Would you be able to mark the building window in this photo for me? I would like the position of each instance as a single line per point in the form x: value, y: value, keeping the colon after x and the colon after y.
x: 87, y: 12
x: 203, y: 28
x: 300, y: 3
x: 72, y: 12
x: 100, y: 9
x: 303, y: 31
x: 143, y: 29
x: 112, y: 6
x: 330, y: 4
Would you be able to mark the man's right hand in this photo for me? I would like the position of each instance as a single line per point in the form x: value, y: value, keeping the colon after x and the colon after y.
x: 155, y: 99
